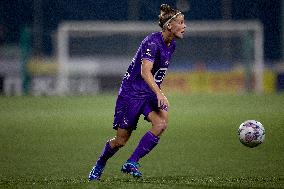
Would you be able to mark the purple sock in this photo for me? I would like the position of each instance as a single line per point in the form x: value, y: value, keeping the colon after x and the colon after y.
x: 146, y: 144
x: 107, y: 153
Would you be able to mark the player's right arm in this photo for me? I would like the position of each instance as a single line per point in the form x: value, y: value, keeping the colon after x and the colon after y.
x: 148, y: 77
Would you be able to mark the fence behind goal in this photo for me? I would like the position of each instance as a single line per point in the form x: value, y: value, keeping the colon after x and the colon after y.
x: 212, y: 57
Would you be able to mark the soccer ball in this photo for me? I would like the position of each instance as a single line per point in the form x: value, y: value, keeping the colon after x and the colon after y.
x: 251, y: 133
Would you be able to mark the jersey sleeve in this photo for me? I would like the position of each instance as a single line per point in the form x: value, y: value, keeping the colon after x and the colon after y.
x: 149, y: 50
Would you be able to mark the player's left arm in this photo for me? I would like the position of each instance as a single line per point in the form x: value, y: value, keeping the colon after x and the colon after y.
x: 148, y: 77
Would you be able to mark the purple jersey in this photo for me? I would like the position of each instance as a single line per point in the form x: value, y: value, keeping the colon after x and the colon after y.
x: 154, y: 49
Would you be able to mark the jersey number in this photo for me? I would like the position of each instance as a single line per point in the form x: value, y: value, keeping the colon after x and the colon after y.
x: 160, y: 74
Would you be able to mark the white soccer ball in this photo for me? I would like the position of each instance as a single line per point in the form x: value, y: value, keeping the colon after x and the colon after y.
x: 251, y: 133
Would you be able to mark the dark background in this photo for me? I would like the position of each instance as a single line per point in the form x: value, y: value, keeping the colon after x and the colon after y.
x: 43, y: 17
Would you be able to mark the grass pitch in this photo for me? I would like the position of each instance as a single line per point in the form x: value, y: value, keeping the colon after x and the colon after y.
x: 53, y: 142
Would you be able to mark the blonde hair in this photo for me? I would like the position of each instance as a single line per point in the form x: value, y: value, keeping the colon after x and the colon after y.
x: 167, y: 14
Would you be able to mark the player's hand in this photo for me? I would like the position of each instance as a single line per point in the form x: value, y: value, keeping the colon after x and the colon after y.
x: 163, y: 102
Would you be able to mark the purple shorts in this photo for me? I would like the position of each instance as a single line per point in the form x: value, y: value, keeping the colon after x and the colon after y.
x: 128, y: 111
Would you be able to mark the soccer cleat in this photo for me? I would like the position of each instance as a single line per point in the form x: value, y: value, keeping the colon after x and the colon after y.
x: 132, y: 169
x: 96, y: 172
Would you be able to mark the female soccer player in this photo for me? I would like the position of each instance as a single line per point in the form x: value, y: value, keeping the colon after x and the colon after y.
x: 140, y: 93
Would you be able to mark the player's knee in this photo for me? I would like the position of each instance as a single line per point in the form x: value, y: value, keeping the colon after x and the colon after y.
x: 160, y: 125
x: 163, y: 125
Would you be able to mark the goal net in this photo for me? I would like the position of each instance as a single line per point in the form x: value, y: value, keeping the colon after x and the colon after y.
x: 213, y: 56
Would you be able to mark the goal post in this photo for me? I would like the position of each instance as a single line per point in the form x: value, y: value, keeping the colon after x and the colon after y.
x: 89, y: 50
x: 93, y: 63
x: 245, y: 27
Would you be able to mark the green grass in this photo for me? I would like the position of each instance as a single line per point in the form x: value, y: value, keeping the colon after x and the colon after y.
x: 53, y: 142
